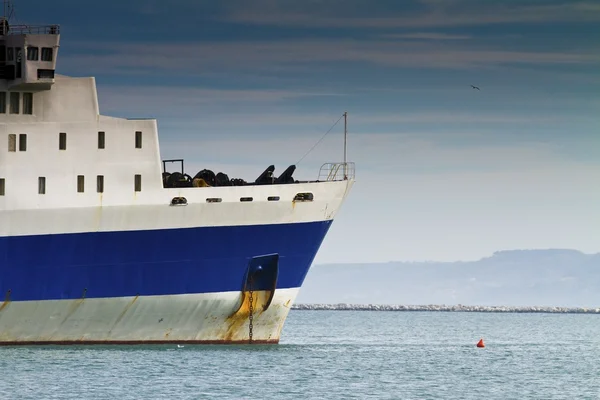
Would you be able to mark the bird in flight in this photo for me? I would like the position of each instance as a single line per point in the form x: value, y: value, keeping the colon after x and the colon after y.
x: 475, y: 87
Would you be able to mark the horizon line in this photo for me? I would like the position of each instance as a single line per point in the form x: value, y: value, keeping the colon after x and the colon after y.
x: 446, y: 308
x: 462, y: 260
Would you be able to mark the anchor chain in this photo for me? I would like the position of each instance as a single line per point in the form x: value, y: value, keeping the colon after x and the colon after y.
x: 251, y: 308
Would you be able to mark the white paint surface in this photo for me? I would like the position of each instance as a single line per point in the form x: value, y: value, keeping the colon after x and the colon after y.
x: 189, y: 317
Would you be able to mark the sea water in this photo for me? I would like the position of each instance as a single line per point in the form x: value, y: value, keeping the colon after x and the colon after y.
x: 334, y: 355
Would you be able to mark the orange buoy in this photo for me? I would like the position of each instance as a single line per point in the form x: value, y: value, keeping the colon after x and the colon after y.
x: 480, y: 343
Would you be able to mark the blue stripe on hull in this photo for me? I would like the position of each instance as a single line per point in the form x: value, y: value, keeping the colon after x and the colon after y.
x: 154, y: 262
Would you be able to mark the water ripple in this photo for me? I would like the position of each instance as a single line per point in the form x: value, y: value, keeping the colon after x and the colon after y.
x: 332, y: 354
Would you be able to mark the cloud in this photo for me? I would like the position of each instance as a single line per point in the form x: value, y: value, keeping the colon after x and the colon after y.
x: 426, y: 13
x: 285, y: 56
x: 189, y: 100
x: 265, y: 108
x: 397, y: 153
x: 425, y: 36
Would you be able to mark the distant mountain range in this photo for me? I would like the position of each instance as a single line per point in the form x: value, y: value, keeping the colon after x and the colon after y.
x: 555, y: 277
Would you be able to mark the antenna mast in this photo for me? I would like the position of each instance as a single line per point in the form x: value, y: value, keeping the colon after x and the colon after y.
x: 5, y: 8
x: 4, y: 19
x: 345, y: 143
x: 6, y: 11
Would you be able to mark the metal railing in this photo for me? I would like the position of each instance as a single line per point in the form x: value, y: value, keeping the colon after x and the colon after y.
x: 33, y: 30
x: 336, y: 171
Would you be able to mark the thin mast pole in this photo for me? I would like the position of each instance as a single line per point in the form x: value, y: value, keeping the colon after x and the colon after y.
x: 4, y: 18
x: 6, y: 4
x: 345, y: 143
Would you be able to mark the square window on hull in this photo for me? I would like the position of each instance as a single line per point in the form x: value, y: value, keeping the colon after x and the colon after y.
x: 62, y: 141
x: 23, y: 142
x: 15, y: 100
x: 2, y: 102
x: 42, y: 185
x: 12, y: 142
x: 28, y: 103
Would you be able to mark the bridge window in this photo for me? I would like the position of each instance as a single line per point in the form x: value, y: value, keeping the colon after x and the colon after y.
x: 101, y: 140
x: 2, y: 102
x: 80, y: 183
x: 19, y: 62
x: 138, y: 183
x: 15, y: 99
x: 42, y: 185
x: 12, y: 142
x: 47, y: 53
x: 2, y: 186
x: 22, y: 142
x: 33, y: 53
x: 10, y: 54
x: 138, y: 140
x: 28, y: 103
x: 45, y: 73
x: 100, y: 183
x: 62, y: 141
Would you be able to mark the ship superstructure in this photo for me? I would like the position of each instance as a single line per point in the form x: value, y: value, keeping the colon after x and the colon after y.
x: 101, y: 241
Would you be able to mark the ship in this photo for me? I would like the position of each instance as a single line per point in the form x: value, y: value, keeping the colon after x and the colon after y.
x: 104, y: 242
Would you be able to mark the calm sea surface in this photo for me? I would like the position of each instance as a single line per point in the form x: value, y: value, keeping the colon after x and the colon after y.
x: 335, y: 354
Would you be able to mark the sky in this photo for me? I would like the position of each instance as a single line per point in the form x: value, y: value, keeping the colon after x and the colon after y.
x: 444, y: 172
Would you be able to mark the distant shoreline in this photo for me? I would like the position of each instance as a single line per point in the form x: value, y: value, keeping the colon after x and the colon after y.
x: 445, y: 308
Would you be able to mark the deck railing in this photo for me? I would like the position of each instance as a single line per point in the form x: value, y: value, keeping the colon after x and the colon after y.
x: 336, y: 171
x: 33, y: 30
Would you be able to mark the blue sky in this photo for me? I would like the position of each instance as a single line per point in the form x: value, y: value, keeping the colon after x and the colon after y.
x: 444, y: 172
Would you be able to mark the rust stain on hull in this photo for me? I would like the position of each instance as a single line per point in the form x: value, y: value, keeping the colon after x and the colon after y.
x: 72, y: 310
x: 6, y: 300
x: 212, y: 321
x: 238, y: 322
x: 260, y: 299
x: 127, y: 307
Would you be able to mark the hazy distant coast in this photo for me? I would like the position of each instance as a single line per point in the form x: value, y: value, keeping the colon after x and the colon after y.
x: 445, y: 308
x: 516, y: 279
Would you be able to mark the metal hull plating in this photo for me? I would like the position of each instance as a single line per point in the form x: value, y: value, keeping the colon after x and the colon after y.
x: 191, y: 318
x: 152, y: 262
x: 157, y: 273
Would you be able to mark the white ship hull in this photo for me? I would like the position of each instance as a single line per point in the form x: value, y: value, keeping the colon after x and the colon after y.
x: 157, y: 273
